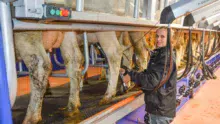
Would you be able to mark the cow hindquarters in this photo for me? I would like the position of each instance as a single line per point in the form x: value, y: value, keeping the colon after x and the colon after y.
x: 73, y: 59
x: 31, y: 50
x: 113, y: 51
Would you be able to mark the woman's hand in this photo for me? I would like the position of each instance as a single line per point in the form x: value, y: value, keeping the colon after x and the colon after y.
x: 126, y: 78
x: 122, y: 71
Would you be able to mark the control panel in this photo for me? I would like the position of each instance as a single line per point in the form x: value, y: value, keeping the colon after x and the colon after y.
x: 51, y: 11
x: 37, y: 9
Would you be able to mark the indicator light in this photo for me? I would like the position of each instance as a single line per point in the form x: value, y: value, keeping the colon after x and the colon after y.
x: 52, y: 11
x: 57, y: 12
x: 61, y: 13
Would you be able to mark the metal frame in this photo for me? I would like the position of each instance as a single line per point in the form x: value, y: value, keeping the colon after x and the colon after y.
x: 136, y: 8
x: 180, y: 8
x: 213, y: 25
x: 21, y: 25
x: 202, y: 13
x: 7, y: 34
x: 216, y: 23
x: 118, y: 111
x: 208, y: 21
x: 5, y: 106
x: 79, y: 5
x: 151, y: 9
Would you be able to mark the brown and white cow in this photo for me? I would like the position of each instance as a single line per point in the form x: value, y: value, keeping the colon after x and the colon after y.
x: 30, y: 46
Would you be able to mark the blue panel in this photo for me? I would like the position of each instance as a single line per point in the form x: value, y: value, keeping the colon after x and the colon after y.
x: 181, y: 82
x: 133, y: 117
x: 197, y: 72
x: 5, y: 107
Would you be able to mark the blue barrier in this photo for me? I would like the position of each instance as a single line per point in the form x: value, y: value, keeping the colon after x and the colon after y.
x: 5, y: 107
x: 181, y: 82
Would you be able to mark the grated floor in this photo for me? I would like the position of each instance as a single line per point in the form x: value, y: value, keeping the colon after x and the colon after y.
x: 54, y: 105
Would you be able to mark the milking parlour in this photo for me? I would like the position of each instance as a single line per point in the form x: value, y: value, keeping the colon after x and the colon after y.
x: 109, y: 61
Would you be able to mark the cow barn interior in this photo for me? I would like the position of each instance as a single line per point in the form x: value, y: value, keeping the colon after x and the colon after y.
x: 61, y: 60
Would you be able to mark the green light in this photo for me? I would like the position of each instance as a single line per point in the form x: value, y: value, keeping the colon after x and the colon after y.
x: 52, y: 11
x: 57, y: 12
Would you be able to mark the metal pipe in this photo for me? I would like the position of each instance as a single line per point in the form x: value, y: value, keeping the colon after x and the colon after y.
x: 23, y: 73
x: 144, y: 15
x: 86, y: 53
x: 151, y: 9
x: 20, y: 66
x: 100, y: 59
x: 57, y: 62
x: 21, y: 25
x: 136, y: 9
x: 9, y: 53
x: 166, y: 3
x: 58, y: 75
x: 95, y: 56
x: 92, y: 54
x: 48, y: 54
x: 80, y: 5
x: 100, y: 65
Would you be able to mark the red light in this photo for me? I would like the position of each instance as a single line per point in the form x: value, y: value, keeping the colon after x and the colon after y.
x: 65, y: 12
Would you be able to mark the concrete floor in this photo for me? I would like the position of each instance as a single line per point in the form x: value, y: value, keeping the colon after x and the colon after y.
x: 204, y: 108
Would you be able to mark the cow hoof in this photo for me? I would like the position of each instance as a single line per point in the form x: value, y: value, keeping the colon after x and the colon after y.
x: 48, y: 92
x: 105, y: 101
x: 69, y: 113
x: 85, y: 82
x: 32, y: 120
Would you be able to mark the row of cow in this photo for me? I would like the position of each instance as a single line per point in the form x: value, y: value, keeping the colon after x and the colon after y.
x: 31, y: 47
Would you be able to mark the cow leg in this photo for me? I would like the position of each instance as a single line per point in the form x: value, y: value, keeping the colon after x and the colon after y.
x: 139, y: 48
x: 73, y: 59
x: 113, y: 51
x: 29, y: 46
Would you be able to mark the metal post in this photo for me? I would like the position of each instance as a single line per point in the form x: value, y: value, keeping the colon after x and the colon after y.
x: 166, y: 3
x: 20, y: 66
x: 144, y: 15
x: 86, y: 53
x: 80, y: 5
x: 92, y: 53
x: 136, y: 9
x: 151, y: 9
x: 7, y: 35
x: 5, y: 107
x: 162, y: 2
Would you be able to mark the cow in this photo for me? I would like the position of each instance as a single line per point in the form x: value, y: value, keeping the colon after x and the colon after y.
x: 31, y: 46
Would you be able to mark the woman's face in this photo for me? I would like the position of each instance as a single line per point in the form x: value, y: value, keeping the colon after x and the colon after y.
x: 161, y: 38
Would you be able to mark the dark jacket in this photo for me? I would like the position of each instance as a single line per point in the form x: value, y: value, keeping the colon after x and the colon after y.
x: 163, y: 101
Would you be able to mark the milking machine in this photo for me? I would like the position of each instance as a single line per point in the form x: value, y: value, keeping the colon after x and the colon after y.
x: 40, y: 13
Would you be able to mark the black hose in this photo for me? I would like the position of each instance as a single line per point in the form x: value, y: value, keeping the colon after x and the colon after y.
x: 207, y: 47
x: 189, y: 54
